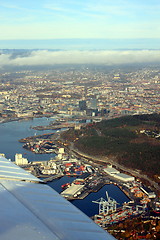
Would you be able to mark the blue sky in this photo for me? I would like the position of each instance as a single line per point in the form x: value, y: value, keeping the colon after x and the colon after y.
x: 79, y: 19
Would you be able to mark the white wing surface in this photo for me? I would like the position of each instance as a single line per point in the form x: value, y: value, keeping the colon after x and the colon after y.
x: 29, y: 209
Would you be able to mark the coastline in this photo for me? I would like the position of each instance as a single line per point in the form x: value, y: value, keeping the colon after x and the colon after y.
x: 112, y: 160
x: 99, y: 160
x: 6, y: 120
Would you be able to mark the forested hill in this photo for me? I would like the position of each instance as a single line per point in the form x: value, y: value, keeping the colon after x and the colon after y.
x: 134, y: 140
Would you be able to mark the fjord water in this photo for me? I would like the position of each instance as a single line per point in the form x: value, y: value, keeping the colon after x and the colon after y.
x: 11, y: 132
x: 86, y: 205
x: 90, y: 209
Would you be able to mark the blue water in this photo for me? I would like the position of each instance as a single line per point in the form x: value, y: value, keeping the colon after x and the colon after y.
x: 86, y: 205
x: 11, y: 132
x: 89, y: 208
x: 57, y: 183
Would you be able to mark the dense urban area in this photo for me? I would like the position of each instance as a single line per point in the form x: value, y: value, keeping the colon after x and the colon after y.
x: 79, y: 95
x: 78, y: 91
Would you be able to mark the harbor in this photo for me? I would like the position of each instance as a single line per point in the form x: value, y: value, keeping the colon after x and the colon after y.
x: 85, y: 180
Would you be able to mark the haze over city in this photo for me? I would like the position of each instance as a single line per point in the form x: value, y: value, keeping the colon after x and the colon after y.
x: 79, y: 108
x: 83, y: 32
x: 45, y: 57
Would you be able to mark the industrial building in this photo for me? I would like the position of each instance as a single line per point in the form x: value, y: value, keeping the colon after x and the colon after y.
x: 116, y: 174
x: 123, y: 177
x: 148, y: 192
x: 110, y: 170
x: 72, y: 191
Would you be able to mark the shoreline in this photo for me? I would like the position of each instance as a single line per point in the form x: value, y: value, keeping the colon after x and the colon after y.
x: 101, y: 160
x: 111, y: 160
x: 24, y: 118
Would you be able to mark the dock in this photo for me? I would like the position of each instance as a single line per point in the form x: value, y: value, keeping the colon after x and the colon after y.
x: 49, y: 179
x: 98, y: 187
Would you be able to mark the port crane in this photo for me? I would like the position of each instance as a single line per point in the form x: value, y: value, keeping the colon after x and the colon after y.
x: 112, y: 203
x: 106, y: 206
x: 103, y: 206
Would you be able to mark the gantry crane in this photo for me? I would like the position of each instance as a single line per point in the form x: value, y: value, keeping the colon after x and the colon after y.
x: 106, y: 206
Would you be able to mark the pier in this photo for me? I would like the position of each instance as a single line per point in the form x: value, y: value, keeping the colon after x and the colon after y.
x: 55, y: 126
x: 49, y: 179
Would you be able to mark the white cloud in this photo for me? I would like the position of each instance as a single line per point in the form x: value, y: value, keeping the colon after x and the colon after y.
x: 44, y: 57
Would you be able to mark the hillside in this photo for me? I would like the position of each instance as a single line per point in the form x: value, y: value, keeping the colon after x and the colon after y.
x: 133, y: 140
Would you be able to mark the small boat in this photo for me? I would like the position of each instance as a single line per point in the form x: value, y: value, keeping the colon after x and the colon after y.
x: 66, y: 185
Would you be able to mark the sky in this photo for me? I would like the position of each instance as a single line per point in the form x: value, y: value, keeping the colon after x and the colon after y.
x: 37, y: 20
x: 85, y: 31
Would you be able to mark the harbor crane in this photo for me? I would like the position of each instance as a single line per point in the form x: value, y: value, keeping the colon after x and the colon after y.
x: 106, y: 206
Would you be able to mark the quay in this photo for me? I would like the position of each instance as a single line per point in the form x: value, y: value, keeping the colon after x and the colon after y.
x: 98, y: 187
x: 49, y: 179
x: 127, y: 193
x: 86, y: 192
x: 36, y: 137
x: 55, y: 127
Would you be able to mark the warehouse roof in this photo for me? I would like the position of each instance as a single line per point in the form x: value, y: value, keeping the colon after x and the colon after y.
x: 111, y: 170
x: 72, y: 190
x: 124, y: 177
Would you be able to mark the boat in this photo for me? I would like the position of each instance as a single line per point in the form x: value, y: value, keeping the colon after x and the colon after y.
x: 66, y: 185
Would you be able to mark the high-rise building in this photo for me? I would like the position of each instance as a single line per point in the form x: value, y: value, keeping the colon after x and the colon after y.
x: 93, y: 103
x: 82, y: 105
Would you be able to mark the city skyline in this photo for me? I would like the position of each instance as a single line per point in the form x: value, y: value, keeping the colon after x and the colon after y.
x: 26, y: 24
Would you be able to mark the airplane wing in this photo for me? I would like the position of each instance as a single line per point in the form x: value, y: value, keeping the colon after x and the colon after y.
x: 30, y: 209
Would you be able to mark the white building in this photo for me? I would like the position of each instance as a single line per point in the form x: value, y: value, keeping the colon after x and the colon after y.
x: 109, y: 170
x: 61, y: 150
x: 116, y: 174
x: 19, y: 160
x: 2, y: 154
x: 72, y: 191
x: 148, y: 192
x: 26, y: 114
x: 123, y: 177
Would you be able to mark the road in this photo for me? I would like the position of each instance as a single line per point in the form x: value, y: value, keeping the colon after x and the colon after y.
x: 112, y: 161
